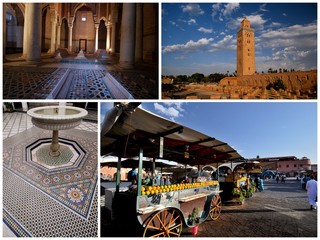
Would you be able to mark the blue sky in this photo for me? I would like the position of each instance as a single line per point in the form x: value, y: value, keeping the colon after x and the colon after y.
x: 269, y: 129
x: 202, y: 37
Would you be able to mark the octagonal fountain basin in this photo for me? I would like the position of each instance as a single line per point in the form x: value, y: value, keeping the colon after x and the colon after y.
x: 56, y: 118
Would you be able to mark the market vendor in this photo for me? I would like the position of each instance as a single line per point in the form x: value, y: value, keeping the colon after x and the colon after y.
x: 133, y: 186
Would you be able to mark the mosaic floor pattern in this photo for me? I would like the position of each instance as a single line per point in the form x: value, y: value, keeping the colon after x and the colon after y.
x: 47, y: 201
x: 139, y: 85
x: 38, y: 83
x: 88, y: 84
x: 30, y: 82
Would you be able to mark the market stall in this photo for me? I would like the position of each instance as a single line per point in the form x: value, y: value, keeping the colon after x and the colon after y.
x: 162, y: 210
x: 235, y: 180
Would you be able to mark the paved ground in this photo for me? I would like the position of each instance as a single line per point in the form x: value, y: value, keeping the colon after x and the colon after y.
x: 282, y: 210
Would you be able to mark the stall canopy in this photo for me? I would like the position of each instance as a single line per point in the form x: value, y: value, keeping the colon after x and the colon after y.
x: 127, y: 129
x: 252, y: 167
x: 134, y: 163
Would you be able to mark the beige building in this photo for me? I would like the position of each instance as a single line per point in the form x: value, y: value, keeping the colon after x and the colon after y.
x: 245, y: 49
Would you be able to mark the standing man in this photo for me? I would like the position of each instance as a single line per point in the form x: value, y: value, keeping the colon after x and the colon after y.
x: 312, y: 190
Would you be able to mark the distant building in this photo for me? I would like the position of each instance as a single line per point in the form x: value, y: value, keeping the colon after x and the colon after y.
x: 245, y: 49
x: 167, y: 80
x: 289, y: 165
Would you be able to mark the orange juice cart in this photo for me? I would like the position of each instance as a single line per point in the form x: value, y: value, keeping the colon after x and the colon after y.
x: 162, y: 210
x: 234, y: 180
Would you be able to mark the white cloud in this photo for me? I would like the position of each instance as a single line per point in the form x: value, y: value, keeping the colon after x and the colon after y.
x: 230, y: 8
x: 227, y: 43
x: 275, y: 24
x: 222, y: 11
x: 177, y: 105
x: 192, y: 21
x: 205, y: 30
x: 190, y: 46
x: 263, y: 8
x: 173, y: 23
x: 172, y: 111
x: 256, y: 21
x: 193, y: 9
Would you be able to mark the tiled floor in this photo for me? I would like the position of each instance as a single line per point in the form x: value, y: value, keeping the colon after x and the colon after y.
x: 17, y: 122
x: 25, y: 81
x: 67, y: 205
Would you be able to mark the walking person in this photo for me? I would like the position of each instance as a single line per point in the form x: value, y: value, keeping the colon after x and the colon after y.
x: 261, y: 184
x: 277, y: 178
x: 283, y: 179
x: 312, y: 191
x: 256, y: 182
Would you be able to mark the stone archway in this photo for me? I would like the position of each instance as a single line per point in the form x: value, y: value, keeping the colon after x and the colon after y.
x: 84, y: 29
x: 13, y: 31
x: 46, y: 30
x: 102, y: 33
x: 64, y: 34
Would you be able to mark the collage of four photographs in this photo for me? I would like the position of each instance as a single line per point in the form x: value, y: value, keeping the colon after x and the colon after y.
x: 159, y: 119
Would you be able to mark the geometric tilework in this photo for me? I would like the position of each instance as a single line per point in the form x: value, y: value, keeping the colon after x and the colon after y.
x: 41, y: 215
x: 14, y: 226
x: 38, y: 153
x: 88, y: 84
x: 30, y: 82
x: 73, y: 187
x: 43, y: 155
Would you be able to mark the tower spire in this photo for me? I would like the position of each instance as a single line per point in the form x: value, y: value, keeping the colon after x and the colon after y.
x: 245, y: 49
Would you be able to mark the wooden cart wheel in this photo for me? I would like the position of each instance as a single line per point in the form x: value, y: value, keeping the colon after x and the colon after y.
x: 215, y: 207
x: 165, y: 223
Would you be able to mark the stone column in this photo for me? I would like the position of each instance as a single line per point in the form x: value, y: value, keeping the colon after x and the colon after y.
x: 70, y: 38
x: 4, y: 32
x: 25, y: 33
x: 33, y: 18
x: 96, y: 25
x: 53, y: 31
x: 127, y: 42
x: 55, y: 147
x: 108, y: 26
x: 24, y: 106
x: 113, y: 36
x: 139, y: 33
x: 58, y: 35
x: 113, y: 29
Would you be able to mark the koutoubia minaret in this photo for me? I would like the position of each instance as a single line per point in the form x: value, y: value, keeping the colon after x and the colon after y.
x: 245, y: 49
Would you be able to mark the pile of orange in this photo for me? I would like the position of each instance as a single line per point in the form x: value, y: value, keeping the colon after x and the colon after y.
x: 151, y: 190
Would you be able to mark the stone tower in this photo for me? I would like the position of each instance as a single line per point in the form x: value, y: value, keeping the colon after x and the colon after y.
x: 245, y: 49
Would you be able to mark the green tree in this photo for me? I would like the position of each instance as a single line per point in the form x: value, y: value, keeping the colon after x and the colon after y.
x: 181, y: 79
x: 197, y: 77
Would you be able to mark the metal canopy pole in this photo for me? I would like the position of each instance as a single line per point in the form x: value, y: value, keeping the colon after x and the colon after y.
x: 140, y: 171
x: 118, y: 177
x: 153, y: 170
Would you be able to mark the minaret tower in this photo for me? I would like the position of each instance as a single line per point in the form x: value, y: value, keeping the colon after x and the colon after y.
x: 245, y: 49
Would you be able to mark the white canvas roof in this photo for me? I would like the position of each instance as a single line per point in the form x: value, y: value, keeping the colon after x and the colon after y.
x: 130, y: 130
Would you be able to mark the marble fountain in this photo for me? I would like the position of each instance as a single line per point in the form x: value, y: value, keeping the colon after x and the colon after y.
x: 56, y: 118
